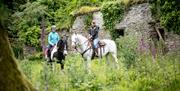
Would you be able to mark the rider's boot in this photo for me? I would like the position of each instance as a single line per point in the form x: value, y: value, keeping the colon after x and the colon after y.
x: 49, y: 55
x: 96, y: 52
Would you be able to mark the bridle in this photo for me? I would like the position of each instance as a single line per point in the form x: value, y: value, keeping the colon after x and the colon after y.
x: 76, y: 45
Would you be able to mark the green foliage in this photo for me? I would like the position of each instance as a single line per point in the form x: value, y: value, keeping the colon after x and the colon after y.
x: 167, y: 11
x: 127, y: 47
x: 30, y: 36
x: 35, y: 56
x: 88, y: 20
x: 62, y: 17
x: 26, y: 23
x: 17, y: 47
x: 26, y: 20
x: 145, y: 75
x: 7, y: 7
x: 112, y: 13
x: 4, y: 14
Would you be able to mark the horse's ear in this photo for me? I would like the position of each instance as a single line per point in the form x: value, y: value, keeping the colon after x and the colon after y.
x: 71, y: 31
x: 66, y: 35
x: 75, y: 32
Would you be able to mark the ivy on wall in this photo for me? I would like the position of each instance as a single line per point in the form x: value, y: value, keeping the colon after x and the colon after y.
x: 112, y: 13
x: 168, y: 13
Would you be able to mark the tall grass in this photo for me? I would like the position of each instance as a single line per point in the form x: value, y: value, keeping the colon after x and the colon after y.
x: 138, y: 71
x: 144, y: 75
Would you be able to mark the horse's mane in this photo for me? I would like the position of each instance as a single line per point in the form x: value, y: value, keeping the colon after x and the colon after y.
x: 81, y: 37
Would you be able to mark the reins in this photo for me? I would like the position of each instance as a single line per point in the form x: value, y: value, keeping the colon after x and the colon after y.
x: 81, y: 45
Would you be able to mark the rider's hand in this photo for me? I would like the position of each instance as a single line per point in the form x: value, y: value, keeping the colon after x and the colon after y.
x: 90, y: 37
x: 52, y: 44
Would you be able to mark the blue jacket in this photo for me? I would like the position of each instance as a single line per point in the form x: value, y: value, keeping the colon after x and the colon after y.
x: 53, y: 38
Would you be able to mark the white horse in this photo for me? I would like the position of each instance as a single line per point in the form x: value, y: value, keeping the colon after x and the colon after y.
x: 81, y: 44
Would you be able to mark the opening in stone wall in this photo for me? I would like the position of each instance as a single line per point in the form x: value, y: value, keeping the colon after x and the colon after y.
x: 120, y: 32
x: 161, y: 30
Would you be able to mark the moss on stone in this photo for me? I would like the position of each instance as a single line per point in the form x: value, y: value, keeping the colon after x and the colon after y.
x: 85, y: 10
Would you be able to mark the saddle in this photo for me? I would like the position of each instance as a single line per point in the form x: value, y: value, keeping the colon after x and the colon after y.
x: 48, y: 52
x: 101, y: 45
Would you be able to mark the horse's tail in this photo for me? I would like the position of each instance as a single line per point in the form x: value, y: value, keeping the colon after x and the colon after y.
x: 115, y: 47
x: 111, y: 45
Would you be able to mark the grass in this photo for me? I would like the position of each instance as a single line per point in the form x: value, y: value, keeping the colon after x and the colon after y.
x: 138, y: 72
x: 144, y: 75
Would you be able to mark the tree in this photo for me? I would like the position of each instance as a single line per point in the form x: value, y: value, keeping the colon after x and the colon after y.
x: 11, y: 78
x: 27, y: 22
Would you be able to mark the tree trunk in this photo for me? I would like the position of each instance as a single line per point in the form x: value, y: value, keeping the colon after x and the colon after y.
x: 11, y: 78
x: 43, y: 36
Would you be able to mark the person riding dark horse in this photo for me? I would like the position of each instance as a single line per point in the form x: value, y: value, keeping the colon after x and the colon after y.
x: 57, y: 48
x: 53, y: 38
x: 93, y: 36
x: 60, y: 51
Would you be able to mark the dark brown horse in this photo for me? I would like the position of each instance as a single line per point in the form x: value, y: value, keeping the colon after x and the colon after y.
x: 59, y: 51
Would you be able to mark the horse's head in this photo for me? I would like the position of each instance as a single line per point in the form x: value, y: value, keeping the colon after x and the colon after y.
x: 77, y: 41
x: 62, y: 46
x: 74, y: 41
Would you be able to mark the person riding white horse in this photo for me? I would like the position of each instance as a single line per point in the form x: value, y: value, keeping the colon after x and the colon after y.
x: 93, y: 35
x: 80, y: 43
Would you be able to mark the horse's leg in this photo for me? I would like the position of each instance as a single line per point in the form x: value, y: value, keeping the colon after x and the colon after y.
x: 62, y: 64
x: 50, y: 60
x: 50, y: 65
x: 107, y: 59
x: 114, y: 55
x: 87, y: 64
x: 53, y: 66
x: 100, y: 55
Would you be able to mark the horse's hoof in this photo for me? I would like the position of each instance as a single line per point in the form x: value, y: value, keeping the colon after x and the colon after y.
x: 62, y: 71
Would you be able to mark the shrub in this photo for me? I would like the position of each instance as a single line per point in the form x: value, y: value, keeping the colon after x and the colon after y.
x: 31, y: 36
x: 127, y: 48
x: 36, y: 56
x: 17, y: 47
